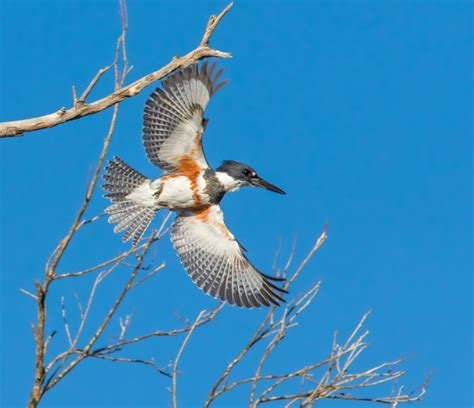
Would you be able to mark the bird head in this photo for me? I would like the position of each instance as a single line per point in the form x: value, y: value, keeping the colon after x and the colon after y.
x: 233, y: 175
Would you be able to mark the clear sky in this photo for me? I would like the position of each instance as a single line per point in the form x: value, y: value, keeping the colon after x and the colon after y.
x: 360, y: 110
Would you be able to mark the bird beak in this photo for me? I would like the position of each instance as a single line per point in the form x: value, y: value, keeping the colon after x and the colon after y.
x: 260, y: 182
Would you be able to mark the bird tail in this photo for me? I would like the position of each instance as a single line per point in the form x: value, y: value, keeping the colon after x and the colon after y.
x: 131, y: 216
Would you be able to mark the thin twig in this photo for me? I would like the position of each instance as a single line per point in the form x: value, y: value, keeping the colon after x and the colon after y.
x: 28, y: 293
x: 165, y: 333
x: 180, y: 352
x: 149, y: 363
x: 149, y: 275
x: 118, y: 258
x: 66, y: 324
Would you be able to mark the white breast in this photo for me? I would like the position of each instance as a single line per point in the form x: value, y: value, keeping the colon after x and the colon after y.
x: 175, y: 192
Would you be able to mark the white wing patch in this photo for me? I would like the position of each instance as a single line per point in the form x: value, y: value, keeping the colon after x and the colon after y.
x: 216, y: 263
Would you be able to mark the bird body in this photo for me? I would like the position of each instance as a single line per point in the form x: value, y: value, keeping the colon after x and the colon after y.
x: 174, y: 193
x: 172, y: 137
x: 183, y: 191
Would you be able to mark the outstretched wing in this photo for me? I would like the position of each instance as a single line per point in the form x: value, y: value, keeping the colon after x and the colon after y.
x: 216, y: 262
x: 173, y: 121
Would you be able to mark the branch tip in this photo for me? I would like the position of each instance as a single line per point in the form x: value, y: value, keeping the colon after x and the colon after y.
x: 212, y: 24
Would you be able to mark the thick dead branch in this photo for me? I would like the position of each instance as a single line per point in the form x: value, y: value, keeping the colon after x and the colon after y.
x: 81, y: 108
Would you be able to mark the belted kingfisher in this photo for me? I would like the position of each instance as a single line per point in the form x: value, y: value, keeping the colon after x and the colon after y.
x: 173, y: 125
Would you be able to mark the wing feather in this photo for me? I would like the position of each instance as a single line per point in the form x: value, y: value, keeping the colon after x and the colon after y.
x: 209, y: 281
x: 215, y: 261
x: 254, y: 298
x: 247, y: 291
x: 173, y: 117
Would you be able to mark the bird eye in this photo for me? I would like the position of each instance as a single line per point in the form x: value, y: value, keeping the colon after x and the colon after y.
x: 246, y: 172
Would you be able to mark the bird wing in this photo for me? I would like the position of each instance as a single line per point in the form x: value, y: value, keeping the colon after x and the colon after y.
x: 216, y: 261
x: 173, y: 121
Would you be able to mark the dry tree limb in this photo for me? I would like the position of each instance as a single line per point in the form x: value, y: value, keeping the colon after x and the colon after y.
x: 81, y: 108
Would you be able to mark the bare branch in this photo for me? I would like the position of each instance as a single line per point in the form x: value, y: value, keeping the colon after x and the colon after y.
x: 212, y: 24
x: 166, y: 333
x: 149, y: 363
x: 66, y: 324
x: 180, y: 352
x: 317, y: 245
x: 149, y: 275
x: 81, y: 108
x: 24, y: 291
x: 74, y: 95
x: 90, y: 221
x: 117, y: 259
x: 92, y: 84
x: 124, y: 325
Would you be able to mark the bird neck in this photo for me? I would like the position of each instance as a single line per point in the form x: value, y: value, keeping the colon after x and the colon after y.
x: 228, y: 183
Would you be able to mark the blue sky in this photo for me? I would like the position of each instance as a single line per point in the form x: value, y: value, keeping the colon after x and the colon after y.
x: 360, y: 110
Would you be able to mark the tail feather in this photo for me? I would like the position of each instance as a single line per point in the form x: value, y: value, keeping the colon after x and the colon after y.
x: 139, y: 224
x: 121, y: 179
x: 130, y: 216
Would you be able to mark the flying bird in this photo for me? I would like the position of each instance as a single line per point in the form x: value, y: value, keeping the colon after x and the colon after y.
x: 173, y: 126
